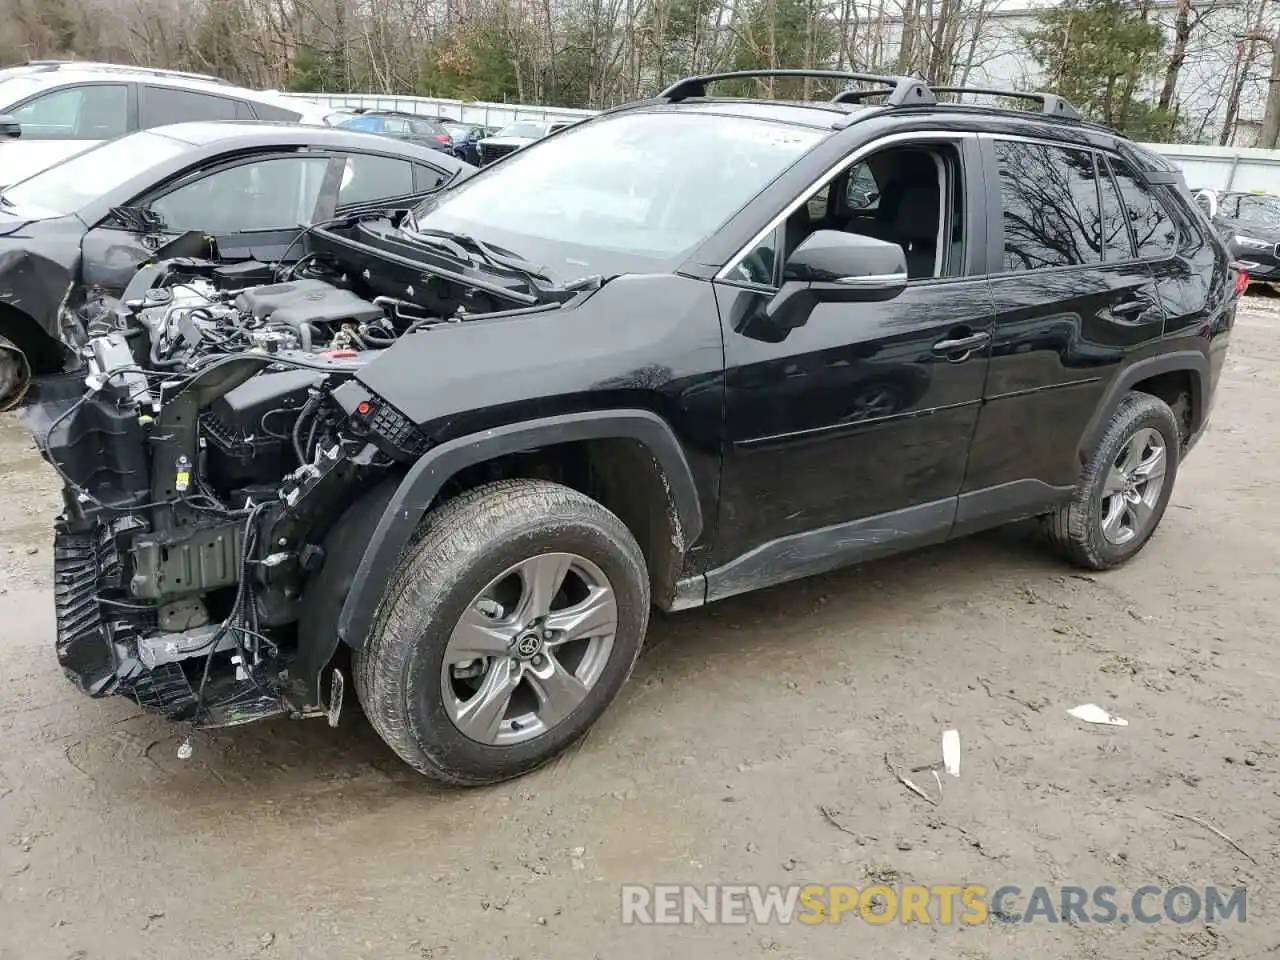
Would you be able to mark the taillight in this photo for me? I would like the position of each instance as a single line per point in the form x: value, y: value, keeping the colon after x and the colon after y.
x: 443, y: 138
x: 1242, y: 278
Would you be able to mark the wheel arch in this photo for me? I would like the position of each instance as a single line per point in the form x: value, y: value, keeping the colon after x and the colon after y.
x: 636, y: 452
x: 1164, y: 376
x: 44, y: 353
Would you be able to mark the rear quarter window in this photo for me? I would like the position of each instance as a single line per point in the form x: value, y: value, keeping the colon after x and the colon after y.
x: 1154, y: 229
x: 267, y: 111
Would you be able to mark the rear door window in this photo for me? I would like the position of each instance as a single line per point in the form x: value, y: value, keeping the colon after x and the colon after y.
x: 1050, y: 206
x: 161, y: 105
x: 1116, y: 239
x: 372, y: 177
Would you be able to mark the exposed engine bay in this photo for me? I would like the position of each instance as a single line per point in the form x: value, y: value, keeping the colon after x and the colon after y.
x: 211, y: 439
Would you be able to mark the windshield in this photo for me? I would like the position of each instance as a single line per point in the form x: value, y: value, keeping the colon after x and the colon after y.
x: 1260, y: 211
x: 13, y: 89
x: 619, y: 194
x: 525, y: 128
x: 88, y: 175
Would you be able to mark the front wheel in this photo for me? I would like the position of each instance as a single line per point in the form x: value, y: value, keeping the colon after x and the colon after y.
x: 511, y: 624
x: 1124, y: 489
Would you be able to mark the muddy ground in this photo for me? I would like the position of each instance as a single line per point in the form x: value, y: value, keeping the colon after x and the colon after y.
x: 291, y: 840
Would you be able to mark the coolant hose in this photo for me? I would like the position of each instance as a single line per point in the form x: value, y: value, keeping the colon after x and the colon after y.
x: 307, y: 409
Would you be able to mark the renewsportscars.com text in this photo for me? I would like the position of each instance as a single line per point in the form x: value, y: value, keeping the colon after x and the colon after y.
x: 944, y: 904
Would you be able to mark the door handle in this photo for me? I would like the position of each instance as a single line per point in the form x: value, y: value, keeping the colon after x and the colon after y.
x: 1130, y: 306
x: 963, y: 345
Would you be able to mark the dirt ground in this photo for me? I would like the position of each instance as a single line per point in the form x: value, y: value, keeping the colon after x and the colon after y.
x: 291, y: 840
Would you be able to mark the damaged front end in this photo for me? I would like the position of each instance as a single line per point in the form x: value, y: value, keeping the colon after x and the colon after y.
x: 209, y: 446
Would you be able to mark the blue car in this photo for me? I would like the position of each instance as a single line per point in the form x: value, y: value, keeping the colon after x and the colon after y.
x: 424, y: 131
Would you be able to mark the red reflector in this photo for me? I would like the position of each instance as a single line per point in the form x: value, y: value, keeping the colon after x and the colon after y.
x: 339, y: 354
x: 363, y: 407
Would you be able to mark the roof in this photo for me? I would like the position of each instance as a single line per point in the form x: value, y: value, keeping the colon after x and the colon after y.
x: 799, y: 112
x: 250, y: 133
x: 851, y: 102
x: 58, y: 73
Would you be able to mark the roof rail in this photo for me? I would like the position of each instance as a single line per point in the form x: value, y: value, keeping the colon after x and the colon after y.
x: 95, y: 65
x: 1050, y: 103
x: 902, y: 91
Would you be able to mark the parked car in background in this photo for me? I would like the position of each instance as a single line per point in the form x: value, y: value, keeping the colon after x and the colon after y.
x: 239, y: 192
x: 466, y: 139
x: 337, y: 117
x: 514, y: 136
x: 1250, y: 224
x: 62, y: 107
x: 409, y: 127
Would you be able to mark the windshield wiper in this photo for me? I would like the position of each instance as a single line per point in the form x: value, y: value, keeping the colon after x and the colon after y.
x: 530, y: 273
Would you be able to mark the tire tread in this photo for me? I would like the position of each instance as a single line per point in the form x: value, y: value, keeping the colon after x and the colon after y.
x: 1069, y: 529
x: 437, y: 557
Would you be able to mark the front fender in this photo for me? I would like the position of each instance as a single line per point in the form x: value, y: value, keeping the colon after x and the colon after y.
x: 421, y: 485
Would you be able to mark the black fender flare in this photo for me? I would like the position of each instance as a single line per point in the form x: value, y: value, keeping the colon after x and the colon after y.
x: 1194, y: 362
x: 421, y: 485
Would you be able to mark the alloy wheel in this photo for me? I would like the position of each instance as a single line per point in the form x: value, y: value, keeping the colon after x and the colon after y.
x: 1133, y: 485
x: 529, y: 649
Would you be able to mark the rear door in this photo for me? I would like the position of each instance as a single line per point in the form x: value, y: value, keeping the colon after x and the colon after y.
x: 1074, y: 301
x: 159, y: 105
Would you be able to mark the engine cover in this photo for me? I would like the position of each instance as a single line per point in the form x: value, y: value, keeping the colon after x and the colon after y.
x: 306, y: 301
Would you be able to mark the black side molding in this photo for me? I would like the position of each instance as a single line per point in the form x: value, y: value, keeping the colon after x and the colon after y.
x: 829, y: 548
x: 1191, y: 361
x: 408, y: 505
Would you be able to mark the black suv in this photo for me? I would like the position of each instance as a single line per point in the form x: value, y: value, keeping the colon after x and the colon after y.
x: 688, y: 348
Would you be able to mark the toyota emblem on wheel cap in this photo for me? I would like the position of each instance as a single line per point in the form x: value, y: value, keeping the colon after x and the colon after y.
x: 527, y: 644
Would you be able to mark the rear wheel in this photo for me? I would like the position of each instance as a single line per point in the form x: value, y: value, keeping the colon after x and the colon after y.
x: 512, y: 623
x: 1125, y: 488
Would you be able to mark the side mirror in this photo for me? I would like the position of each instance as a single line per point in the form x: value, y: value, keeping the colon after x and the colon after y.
x: 831, y: 266
x: 1208, y: 201
x: 10, y: 128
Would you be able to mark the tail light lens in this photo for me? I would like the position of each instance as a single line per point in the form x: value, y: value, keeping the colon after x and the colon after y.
x: 1242, y: 277
x: 444, y: 138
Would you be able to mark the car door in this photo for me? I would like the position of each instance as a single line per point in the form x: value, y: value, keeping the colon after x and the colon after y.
x: 1073, y: 299
x: 379, y: 180
x: 847, y: 437
x: 160, y: 105
x: 65, y: 120
x: 252, y: 205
